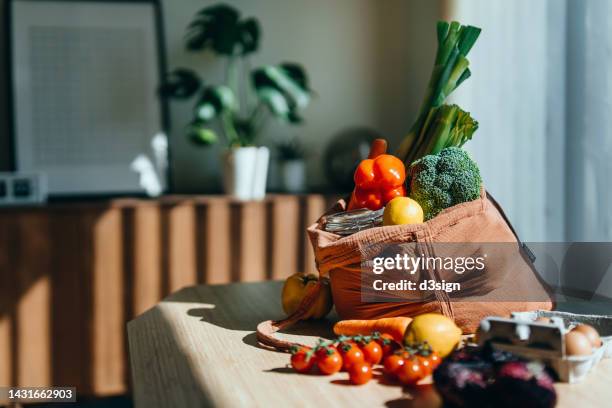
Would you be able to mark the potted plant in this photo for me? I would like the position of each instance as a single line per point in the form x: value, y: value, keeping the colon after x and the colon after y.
x: 291, y: 155
x: 240, y: 106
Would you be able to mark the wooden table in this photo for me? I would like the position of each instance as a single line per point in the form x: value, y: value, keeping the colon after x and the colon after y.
x: 198, y: 348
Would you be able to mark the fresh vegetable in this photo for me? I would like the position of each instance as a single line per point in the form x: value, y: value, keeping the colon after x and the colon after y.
x: 577, y: 344
x: 329, y: 362
x: 590, y: 333
x: 351, y: 355
x: 410, y: 372
x: 388, y: 344
x: 438, y: 126
x: 485, y: 377
x: 523, y: 384
x: 378, y: 179
x: 360, y: 373
x: 297, y: 286
x: 392, y: 364
x: 402, y: 210
x: 372, y: 352
x: 302, y: 359
x: 392, y: 326
x: 434, y: 360
x: 437, y: 330
x: 442, y: 180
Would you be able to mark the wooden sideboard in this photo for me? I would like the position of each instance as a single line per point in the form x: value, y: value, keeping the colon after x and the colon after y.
x: 73, y: 274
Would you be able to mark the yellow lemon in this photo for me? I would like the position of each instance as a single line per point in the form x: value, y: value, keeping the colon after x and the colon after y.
x: 402, y: 210
x: 439, y: 331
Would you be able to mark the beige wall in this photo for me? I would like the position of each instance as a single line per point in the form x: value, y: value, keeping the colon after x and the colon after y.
x: 369, y: 61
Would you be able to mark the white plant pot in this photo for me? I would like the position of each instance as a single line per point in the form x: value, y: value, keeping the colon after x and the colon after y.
x: 245, y: 172
x: 294, y: 176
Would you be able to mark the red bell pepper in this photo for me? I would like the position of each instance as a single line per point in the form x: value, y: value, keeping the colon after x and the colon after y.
x: 378, y: 179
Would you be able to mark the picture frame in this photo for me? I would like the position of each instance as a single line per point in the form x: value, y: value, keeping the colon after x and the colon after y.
x: 83, y: 104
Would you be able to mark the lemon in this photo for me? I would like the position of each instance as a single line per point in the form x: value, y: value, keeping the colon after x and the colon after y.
x: 438, y: 330
x: 402, y: 210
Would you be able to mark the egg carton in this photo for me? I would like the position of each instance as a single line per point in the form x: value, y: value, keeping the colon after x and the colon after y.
x: 525, y: 336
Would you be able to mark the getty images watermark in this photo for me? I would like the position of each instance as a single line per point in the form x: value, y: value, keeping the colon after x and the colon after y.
x: 411, y: 264
x: 508, y: 271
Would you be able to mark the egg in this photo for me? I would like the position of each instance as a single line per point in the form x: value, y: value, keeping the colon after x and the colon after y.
x: 590, y: 333
x: 577, y: 344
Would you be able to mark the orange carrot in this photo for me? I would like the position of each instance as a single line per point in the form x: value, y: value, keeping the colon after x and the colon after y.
x: 394, y: 326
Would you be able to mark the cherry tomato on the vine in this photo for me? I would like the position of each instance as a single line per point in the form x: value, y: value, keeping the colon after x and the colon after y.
x: 392, y: 364
x: 351, y: 356
x: 330, y: 362
x: 372, y: 352
x: 302, y: 361
x: 388, y: 344
x: 435, y: 360
x: 425, y: 365
x: 360, y: 373
x: 411, y: 372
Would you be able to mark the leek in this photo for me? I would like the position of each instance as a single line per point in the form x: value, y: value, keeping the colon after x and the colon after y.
x: 437, y: 125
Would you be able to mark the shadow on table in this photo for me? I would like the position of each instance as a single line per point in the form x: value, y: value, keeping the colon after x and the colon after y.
x: 164, y: 372
x: 422, y: 396
x: 243, y: 307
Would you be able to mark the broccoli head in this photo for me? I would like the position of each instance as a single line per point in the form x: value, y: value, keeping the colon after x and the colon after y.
x: 439, y: 181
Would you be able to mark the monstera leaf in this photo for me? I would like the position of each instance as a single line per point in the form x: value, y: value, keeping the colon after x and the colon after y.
x: 213, y: 101
x: 283, y: 88
x: 181, y: 83
x: 200, y: 134
x: 220, y: 29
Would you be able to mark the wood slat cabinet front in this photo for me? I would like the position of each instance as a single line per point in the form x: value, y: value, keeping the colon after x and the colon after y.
x: 72, y: 275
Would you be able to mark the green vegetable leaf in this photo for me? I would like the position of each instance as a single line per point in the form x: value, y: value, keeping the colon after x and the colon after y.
x: 181, y: 83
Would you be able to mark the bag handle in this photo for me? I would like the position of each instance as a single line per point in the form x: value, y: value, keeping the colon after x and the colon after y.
x: 522, y: 245
x: 265, y: 330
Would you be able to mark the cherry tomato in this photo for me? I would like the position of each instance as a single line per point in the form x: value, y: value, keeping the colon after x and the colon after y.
x: 360, y: 373
x: 411, y: 372
x: 425, y: 365
x: 324, y: 351
x: 393, y: 363
x: 330, y: 363
x: 435, y: 360
x: 301, y: 361
x: 371, y: 199
x: 352, y: 355
x: 372, y: 352
x: 389, y: 170
x: 365, y: 177
x: 388, y: 344
x: 389, y: 195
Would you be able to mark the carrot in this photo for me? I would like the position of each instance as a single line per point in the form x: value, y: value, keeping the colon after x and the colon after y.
x: 394, y: 326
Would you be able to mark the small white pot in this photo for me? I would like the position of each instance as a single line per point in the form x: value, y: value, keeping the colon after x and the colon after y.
x: 245, y: 172
x: 293, y: 175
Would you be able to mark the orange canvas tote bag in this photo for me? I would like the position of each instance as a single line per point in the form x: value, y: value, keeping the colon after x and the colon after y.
x: 509, y: 275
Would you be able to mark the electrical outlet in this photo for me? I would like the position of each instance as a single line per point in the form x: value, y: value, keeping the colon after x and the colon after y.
x: 22, y: 188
